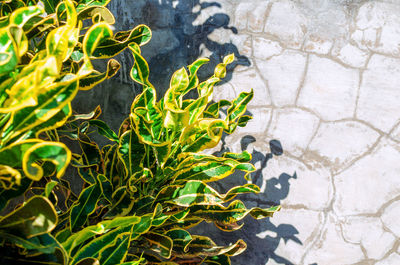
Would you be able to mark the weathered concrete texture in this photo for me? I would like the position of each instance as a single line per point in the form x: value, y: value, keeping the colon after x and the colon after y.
x: 326, y: 77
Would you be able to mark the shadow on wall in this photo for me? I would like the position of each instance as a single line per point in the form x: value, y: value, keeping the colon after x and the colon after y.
x: 177, y: 41
x: 262, y: 236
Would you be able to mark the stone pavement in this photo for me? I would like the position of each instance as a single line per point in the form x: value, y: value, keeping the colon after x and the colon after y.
x: 326, y: 78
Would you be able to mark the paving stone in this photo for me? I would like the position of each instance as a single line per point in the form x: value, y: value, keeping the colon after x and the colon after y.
x: 225, y: 91
x: 244, y: 81
x: 396, y: 133
x: 365, y: 39
x: 352, y: 56
x: 338, y: 143
x: 284, y: 74
x: 258, y: 125
x: 370, y: 182
x: 391, y: 217
x: 251, y: 15
x: 294, y: 128
x: 285, y: 180
x: 241, y: 14
x: 377, y: 242
x: 329, y: 89
x: 286, y: 22
x: 332, y: 249
x: 378, y: 100
x: 380, y: 20
x: 318, y: 45
x: 307, y: 225
x: 241, y: 41
x: 393, y: 259
x: 256, y: 18
x: 244, y: 45
x: 264, y: 48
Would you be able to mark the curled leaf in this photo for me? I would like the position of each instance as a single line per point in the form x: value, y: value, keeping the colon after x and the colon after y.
x: 56, y: 153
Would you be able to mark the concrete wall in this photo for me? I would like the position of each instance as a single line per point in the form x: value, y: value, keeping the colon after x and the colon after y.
x: 326, y: 76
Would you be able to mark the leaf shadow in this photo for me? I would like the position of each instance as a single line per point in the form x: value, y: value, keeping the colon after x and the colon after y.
x: 262, y: 236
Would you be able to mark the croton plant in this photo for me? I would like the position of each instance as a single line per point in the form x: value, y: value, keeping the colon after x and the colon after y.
x: 142, y: 192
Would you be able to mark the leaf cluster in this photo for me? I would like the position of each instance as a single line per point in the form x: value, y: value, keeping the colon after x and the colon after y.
x: 142, y: 193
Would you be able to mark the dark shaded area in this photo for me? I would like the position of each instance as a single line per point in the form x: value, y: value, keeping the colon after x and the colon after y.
x: 191, y: 39
x: 176, y: 42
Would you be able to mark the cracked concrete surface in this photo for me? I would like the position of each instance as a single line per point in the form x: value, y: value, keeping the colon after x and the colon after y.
x: 326, y: 78
x: 333, y: 73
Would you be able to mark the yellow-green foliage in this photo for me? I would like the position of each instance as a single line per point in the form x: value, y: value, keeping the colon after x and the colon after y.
x: 45, y: 60
x: 143, y: 191
x: 155, y: 171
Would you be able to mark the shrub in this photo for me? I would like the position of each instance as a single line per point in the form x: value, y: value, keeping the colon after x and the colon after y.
x: 143, y: 192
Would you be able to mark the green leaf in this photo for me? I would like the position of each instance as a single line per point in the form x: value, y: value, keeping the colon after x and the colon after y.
x: 36, y: 217
x: 9, y: 176
x: 86, y: 233
x: 198, y: 193
x: 8, y: 51
x: 231, y: 214
x: 89, y: 116
x: 185, y: 224
x: 95, y: 35
x: 89, y: 81
x: 88, y: 3
x: 209, y: 168
x: 240, y: 157
x: 85, y: 205
x: 88, y: 261
x: 204, y: 246
x: 106, y: 187
x: 217, y: 260
x: 56, y: 153
x: 144, y: 175
x: 181, y: 239
x: 112, y: 46
x: 115, y: 253
x: 131, y: 152
x: 203, y: 134
x: 193, y: 68
x: 213, y: 110
x: 7, y: 194
x: 179, y: 81
x: 140, y: 69
x: 50, y: 5
x: 104, y: 130
x: 160, y: 243
x: 237, y: 109
x: 220, y: 69
x: 92, y: 11
x: 49, y: 103
x: 49, y: 188
x: 96, y: 246
x: 243, y: 120
x: 54, y: 122
x: 12, y: 154
x: 24, y: 14
x: 110, y: 164
x: 146, y: 118
x: 122, y: 203
x: 137, y: 262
